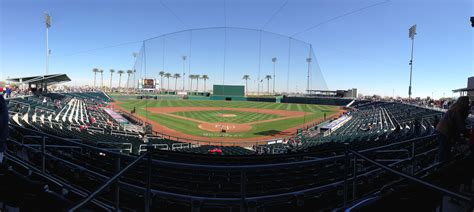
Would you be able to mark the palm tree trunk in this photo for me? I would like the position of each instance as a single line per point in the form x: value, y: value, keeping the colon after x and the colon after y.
x: 110, y: 87
x: 120, y: 79
x: 94, y: 78
x: 175, y: 83
x: 268, y: 86
x: 204, y: 85
x: 161, y: 83
x: 246, y: 88
x: 168, y: 84
x: 197, y: 84
x: 191, y: 85
x: 101, y: 80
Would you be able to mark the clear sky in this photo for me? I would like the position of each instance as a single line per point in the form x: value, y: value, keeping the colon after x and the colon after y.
x: 368, y: 49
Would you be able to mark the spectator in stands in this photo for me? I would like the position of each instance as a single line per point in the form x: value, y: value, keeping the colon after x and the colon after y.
x: 17, y: 108
x: 3, y: 126
x: 451, y: 126
x: 45, y: 100
x: 215, y: 151
x: 417, y: 126
x: 82, y: 128
x: 8, y: 92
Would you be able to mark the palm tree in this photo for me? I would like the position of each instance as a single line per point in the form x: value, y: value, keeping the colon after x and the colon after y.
x: 197, y: 76
x: 176, y: 77
x: 205, y: 77
x: 120, y: 72
x: 129, y: 72
x: 111, y: 72
x: 192, y: 77
x: 134, y: 74
x: 95, y: 70
x: 168, y: 75
x: 268, y: 78
x: 162, y: 73
x: 246, y: 78
x: 101, y: 78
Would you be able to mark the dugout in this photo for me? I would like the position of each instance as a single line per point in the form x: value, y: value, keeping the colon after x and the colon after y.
x: 228, y: 92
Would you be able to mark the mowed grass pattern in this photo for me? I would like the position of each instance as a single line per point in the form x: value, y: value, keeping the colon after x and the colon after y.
x: 261, y: 129
x: 215, y: 116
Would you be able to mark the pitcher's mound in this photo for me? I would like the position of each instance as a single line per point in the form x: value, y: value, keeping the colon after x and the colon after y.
x: 227, y: 115
x: 228, y: 127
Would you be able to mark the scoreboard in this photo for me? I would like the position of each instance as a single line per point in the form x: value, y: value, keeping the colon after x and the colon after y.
x: 148, y: 84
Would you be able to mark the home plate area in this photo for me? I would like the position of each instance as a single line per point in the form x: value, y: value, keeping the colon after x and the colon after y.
x: 225, y: 127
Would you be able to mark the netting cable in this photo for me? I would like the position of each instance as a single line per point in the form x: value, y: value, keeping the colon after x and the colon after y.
x: 274, y: 14
x: 340, y: 16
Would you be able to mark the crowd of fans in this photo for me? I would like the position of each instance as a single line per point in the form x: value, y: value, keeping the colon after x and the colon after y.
x: 10, y: 91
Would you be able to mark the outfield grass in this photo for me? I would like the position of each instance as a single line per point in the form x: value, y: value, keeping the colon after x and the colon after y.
x: 261, y: 129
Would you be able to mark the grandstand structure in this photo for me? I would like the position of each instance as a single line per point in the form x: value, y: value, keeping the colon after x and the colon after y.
x: 312, y: 149
x: 54, y: 163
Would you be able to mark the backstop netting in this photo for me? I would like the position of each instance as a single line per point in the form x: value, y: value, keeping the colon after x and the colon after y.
x: 275, y: 64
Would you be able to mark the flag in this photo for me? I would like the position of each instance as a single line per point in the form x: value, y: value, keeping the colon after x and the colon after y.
x: 412, y: 32
x: 48, y: 20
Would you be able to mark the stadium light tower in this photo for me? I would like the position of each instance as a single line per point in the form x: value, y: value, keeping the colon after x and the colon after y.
x: 308, y: 60
x: 411, y: 35
x: 184, y: 73
x: 48, y: 21
x: 274, y: 61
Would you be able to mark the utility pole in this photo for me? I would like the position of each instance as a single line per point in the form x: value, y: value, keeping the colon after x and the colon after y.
x: 411, y: 34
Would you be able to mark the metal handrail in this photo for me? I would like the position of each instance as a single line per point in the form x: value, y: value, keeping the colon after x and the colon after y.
x: 243, y: 168
x: 257, y: 198
x: 237, y: 167
x: 108, y: 183
x: 55, y: 180
x: 412, y: 178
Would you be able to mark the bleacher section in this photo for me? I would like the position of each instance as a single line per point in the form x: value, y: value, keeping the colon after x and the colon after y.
x: 368, y: 121
x: 305, y: 172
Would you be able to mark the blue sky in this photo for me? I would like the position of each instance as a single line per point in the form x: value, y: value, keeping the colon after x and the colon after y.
x: 368, y: 50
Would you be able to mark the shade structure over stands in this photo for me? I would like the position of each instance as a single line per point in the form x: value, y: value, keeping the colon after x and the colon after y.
x: 469, y: 90
x: 47, y: 79
x: 41, y: 81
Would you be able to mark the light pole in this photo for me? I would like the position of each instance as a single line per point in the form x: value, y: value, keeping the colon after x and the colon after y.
x: 308, y: 60
x: 274, y: 61
x: 184, y: 73
x: 48, y: 21
x: 411, y: 34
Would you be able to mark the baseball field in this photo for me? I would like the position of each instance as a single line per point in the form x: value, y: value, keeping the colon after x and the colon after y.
x: 227, y: 120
